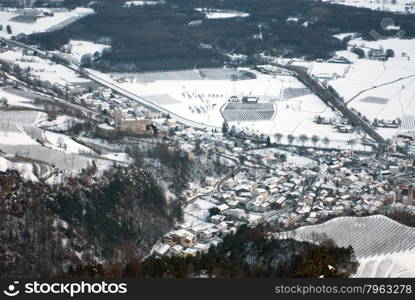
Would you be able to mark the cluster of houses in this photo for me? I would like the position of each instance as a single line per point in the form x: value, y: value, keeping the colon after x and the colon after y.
x: 271, y: 188
x: 121, y: 115
x: 353, y: 185
x: 387, y: 123
x: 117, y: 113
x: 404, y: 142
x: 197, y: 239
x: 265, y: 185
x: 341, y: 125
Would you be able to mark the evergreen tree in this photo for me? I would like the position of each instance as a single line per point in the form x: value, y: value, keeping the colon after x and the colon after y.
x: 225, y: 128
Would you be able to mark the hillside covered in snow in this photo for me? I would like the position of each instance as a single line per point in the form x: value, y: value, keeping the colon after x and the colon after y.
x: 383, y: 247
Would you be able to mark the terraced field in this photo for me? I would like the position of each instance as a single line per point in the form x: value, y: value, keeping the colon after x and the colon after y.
x: 369, y: 236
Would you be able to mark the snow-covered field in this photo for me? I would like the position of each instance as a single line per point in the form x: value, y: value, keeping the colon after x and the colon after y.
x: 64, y: 143
x: 222, y: 14
x: 208, y: 74
x: 15, y: 100
x: 387, y: 89
x: 21, y: 138
x: 24, y: 169
x: 199, y: 209
x: 16, y: 140
x: 60, y: 123
x: 12, y: 127
x: 399, y: 6
x: 44, y: 69
x: 391, y: 266
x: 120, y: 157
x: 325, y: 69
x: 201, y: 100
x: 383, y: 247
x: 34, y: 21
x: 382, y: 90
x: 142, y: 3
x: 77, y: 49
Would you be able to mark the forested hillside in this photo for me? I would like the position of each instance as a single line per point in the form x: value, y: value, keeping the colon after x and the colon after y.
x: 246, y: 254
x: 159, y: 37
x: 111, y: 217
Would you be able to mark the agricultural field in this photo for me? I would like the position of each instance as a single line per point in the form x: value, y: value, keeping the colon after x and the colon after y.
x: 248, y: 112
x: 379, y: 90
x: 26, y: 170
x: 382, y: 90
x: 386, y: 252
x: 35, y: 20
x: 43, y: 69
x: 77, y: 50
x: 12, y: 125
x: 20, y: 137
x: 324, y: 69
x: 201, y: 95
x: 33, y: 144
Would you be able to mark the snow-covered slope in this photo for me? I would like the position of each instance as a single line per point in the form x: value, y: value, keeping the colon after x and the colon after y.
x: 383, y: 247
x: 394, y: 265
x: 12, y: 127
x: 25, y: 170
x: 15, y: 100
x: 61, y: 142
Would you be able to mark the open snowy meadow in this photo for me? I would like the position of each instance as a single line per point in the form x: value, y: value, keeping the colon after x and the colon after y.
x: 200, y: 95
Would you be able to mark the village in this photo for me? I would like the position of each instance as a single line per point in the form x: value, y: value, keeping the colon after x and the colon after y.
x: 283, y: 185
x: 288, y: 190
x: 223, y: 139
